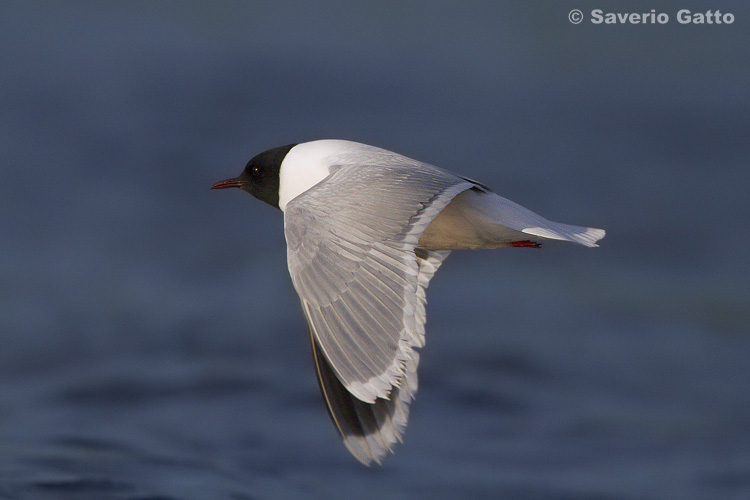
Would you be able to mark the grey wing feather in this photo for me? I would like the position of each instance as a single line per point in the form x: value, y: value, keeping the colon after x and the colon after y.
x: 370, y: 430
x: 350, y: 250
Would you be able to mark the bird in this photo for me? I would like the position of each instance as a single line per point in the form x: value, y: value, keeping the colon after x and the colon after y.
x: 366, y: 229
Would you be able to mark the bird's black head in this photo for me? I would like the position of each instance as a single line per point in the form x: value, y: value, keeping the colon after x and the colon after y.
x: 261, y: 176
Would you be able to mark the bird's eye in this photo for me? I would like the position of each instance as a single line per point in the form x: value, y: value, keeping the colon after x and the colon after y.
x: 256, y: 171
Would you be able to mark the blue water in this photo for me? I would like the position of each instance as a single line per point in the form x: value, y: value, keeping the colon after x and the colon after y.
x: 152, y: 346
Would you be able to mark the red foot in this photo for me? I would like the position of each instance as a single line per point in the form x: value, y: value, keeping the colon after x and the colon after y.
x: 525, y: 243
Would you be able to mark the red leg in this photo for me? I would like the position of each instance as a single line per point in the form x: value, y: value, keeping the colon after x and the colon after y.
x: 525, y: 243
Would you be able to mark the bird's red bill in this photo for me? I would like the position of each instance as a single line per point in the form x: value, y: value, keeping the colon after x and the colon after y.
x: 229, y: 183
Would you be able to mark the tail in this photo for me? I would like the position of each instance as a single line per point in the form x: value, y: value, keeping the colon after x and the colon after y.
x: 557, y: 231
x: 518, y: 218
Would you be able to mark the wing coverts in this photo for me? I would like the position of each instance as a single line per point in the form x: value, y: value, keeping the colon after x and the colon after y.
x: 351, y: 242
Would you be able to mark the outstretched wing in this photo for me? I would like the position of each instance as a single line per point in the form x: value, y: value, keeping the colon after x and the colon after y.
x: 350, y: 249
x: 370, y: 430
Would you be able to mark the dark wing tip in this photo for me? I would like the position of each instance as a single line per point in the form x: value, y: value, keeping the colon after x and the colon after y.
x: 368, y: 430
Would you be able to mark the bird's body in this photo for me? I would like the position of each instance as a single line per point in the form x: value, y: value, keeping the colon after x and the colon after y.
x: 366, y: 229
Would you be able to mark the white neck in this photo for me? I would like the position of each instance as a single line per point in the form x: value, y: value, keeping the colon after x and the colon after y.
x: 304, y: 166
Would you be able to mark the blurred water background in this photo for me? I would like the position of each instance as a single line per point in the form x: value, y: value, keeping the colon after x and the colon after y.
x: 152, y: 346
